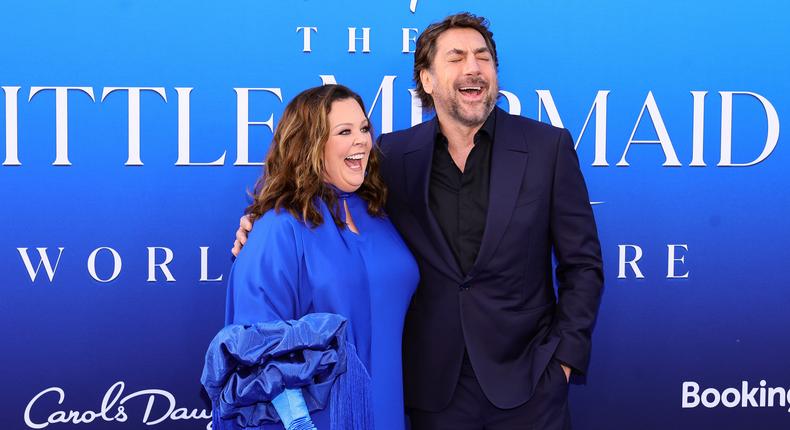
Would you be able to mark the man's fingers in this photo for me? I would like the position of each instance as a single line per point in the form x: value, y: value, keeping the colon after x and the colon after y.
x: 245, y: 224
x: 241, y: 237
x: 241, y: 234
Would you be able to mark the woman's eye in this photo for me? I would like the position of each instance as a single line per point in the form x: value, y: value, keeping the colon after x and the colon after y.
x: 345, y: 131
x: 365, y: 129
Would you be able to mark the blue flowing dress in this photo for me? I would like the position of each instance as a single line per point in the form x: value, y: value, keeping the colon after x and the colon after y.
x: 288, y: 271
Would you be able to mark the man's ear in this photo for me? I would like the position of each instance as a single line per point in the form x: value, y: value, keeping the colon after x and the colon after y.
x: 426, y: 80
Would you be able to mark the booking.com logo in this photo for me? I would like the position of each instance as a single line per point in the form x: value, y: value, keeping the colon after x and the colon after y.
x: 745, y: 396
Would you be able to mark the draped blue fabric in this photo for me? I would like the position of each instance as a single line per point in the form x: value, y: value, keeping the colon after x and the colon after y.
x: 286, y: 274
x: 248, y: 365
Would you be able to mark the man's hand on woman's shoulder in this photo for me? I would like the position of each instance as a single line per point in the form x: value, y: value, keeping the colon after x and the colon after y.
x: 241, y: 235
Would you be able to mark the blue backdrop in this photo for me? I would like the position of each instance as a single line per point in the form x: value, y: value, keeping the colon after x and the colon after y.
x: 686, y: 332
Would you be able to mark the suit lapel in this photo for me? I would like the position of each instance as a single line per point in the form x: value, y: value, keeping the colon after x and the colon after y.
x: 417, y: 160
x: 508, y: 162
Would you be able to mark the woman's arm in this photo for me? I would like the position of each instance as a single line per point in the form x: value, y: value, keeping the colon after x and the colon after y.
x: 265, y: 282
x: 265, y: 285
x: 292, y: 410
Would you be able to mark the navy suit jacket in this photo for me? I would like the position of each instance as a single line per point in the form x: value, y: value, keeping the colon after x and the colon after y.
x: 504, y: 312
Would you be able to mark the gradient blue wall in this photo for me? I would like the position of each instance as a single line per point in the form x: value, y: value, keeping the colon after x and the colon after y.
x: 725, y: 323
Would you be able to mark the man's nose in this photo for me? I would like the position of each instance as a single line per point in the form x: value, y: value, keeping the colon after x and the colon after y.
x: 471, y: 66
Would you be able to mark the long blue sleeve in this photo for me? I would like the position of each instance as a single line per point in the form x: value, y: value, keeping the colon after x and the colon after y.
x: 265, y: 282
x: 264, y: 286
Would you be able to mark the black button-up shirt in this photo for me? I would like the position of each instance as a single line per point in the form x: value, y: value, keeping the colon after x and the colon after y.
x: 459, y: 200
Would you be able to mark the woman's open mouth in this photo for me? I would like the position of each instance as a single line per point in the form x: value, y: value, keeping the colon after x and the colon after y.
x: 354, y: 161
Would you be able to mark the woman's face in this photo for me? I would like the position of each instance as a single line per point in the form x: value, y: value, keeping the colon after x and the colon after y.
x: 348, y: 148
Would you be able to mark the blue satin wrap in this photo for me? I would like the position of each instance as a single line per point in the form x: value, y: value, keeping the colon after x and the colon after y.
x: 248, y: 365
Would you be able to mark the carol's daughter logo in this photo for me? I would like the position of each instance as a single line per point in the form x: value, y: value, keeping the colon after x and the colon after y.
x: 40, y: 411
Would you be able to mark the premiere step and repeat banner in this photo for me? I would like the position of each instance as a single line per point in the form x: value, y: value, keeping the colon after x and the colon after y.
x: 131, y: 132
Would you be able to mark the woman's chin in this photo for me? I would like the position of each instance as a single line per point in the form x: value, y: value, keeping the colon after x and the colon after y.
x: 349, y: 185
x: 355, y: 181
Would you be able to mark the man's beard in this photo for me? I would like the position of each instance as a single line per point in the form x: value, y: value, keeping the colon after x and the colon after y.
x: 465, y: 117
x: 472, y: 119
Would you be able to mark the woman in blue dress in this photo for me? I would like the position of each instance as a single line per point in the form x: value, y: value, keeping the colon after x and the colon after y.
x: 316, y: 301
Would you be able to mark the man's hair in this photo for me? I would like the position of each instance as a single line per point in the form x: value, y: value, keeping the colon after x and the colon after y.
x: 293, y: 178
x: 425, y: 50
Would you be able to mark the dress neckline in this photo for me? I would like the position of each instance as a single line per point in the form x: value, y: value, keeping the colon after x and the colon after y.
x: 340, y: 193
x: 351, y: 200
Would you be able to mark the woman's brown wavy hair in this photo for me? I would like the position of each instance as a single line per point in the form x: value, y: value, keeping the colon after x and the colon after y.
x: 294, y: 169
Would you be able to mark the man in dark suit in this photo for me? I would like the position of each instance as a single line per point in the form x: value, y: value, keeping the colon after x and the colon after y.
x: 482, y: 198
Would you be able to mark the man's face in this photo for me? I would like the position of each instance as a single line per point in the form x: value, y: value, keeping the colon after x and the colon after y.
x: 462, y: 78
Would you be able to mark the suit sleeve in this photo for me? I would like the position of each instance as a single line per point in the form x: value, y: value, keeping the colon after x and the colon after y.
x: 579, y: 271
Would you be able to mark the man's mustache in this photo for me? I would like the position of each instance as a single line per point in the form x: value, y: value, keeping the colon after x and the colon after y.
x: 473, y: 82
